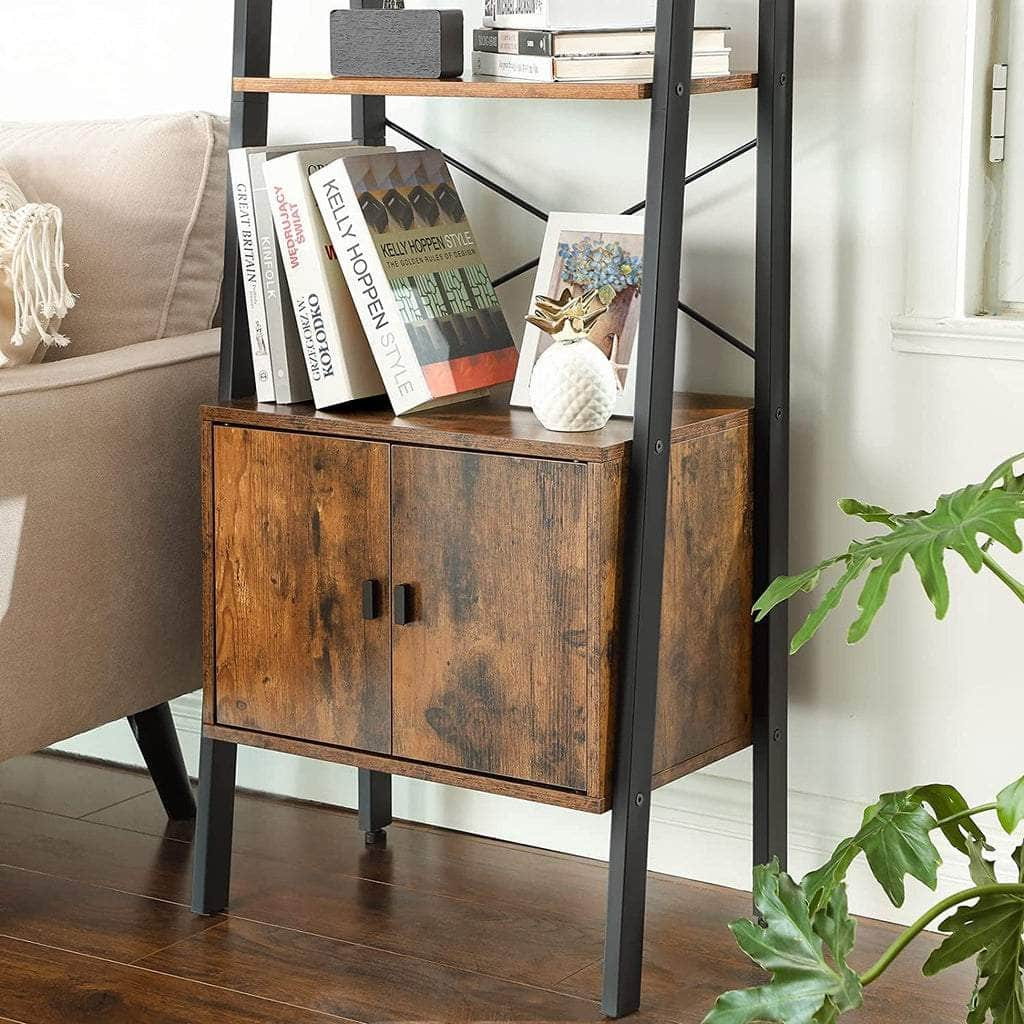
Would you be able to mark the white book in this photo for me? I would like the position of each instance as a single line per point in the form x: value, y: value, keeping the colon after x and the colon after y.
x: 420, y: 285
x: 291, y: 381
x: 589, y: 69
x: 252, y: 276
x: 378, y: 311
x: 338, y: 359
x: 557, y: 15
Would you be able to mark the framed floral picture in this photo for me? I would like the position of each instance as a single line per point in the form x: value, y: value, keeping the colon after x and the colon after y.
x: 583, y: 252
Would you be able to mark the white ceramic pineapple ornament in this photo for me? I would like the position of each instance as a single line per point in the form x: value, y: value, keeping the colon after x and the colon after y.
x: 573, y: 387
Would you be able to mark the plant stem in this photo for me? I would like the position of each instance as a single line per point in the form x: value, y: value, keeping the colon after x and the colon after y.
x: 1015, y: 585
x: 970, y: 813
x: 1000, y: 889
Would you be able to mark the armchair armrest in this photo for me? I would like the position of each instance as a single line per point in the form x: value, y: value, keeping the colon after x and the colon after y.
x: 100, y: 366
x: 100, y: 536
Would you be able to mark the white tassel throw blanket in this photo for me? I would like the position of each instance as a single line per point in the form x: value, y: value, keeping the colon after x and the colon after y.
x: 34, y: 296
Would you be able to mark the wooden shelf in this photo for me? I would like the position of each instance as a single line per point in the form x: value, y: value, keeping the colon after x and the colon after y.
x: 484, y: 87
x: 487, y: 425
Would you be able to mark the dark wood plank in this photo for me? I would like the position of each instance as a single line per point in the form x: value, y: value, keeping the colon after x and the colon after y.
x: 89, y: 919
x: 96, y: 854
x: 301, y: 522
x: 491, y: 674
x: 311, y: 836
x: 532, y: 946
x: 691, y: 958
x: 42, y: 985
x: 487, y: 424
x: 704, y: 688
x: 691, y: 955
x: 354, y: 981
x: 66, y: 785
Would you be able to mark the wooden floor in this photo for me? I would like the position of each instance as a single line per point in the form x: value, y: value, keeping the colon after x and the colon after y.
x: 439, y: 926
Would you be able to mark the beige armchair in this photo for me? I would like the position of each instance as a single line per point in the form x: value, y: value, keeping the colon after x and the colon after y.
x: 99, y: 489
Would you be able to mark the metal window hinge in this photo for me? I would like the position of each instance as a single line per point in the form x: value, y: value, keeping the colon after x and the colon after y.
x: 997, y: 137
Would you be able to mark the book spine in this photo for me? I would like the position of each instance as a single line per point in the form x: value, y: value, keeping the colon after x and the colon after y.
x: 513, y: 41
x: 553, y: 15
x: 252, y: 277
x: 528, y: 14
x: 302, y: 238
x: 503, y: 65
x: 291, y: 382
x: 371, y: 291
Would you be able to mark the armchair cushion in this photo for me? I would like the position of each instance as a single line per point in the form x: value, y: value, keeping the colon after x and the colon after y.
x: 143, y: 205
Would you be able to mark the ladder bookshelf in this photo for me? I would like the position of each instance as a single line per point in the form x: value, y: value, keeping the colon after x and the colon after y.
x: 626, y: 748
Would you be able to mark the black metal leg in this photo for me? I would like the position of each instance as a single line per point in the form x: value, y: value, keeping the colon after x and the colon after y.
x: 248, y: 128
x: 211, y: 867
x: 368, y: 112
x: 374, y: 805
x: 648, y: 500
x: 771, y: 431
x: 157, y: 739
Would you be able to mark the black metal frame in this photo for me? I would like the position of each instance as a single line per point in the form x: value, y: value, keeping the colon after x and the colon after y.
x: 648, y: 493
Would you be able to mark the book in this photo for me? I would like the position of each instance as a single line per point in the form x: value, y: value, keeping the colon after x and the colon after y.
x: 338, y: 360
x: 589, y: 69
x: 291, y: 381
x: 420, y: 285
x: 252, y: 275
x: 597, y: 43
x: 552, y: 15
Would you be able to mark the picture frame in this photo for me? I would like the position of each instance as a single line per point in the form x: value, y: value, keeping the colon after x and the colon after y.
x: 580, y: 251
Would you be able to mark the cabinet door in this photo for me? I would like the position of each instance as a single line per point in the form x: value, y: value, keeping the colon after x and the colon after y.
x: 490, y: 674
x: 300, y: 525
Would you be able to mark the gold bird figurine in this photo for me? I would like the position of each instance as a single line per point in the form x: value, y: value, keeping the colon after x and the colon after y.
x: 568, y: 316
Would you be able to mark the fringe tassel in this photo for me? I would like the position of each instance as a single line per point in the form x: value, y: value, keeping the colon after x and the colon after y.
x: 32, y: 253
x: 32, y: 257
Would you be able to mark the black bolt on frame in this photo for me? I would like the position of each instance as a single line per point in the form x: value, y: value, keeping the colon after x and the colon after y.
x: 649, y: 459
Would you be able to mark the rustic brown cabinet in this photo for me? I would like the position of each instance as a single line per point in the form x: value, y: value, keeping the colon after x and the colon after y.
x: 439, y: 596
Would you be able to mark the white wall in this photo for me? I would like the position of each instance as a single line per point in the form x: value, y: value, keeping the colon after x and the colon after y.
x: 918, y: 701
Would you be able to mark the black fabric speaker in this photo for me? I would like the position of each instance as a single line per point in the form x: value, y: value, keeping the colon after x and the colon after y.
x: 396, y: 44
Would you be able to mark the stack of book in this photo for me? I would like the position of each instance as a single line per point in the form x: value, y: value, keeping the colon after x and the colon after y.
x: 362, y: 277
x: 582, y: 41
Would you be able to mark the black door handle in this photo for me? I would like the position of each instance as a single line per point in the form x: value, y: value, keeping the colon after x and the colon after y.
x: 371, y: 599
x: 403, y: 604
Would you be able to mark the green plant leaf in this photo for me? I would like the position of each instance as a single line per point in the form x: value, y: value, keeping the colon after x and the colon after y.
x: 835, y: 594
x: 1010, y: 805
x: 894, y: 836
x: 991, y: 510
x: 869, y: 513
x: 983, y: 870
x: 805, y: 988
x: 945, y: 802
x: 785, y: 587
x: 992, y: 929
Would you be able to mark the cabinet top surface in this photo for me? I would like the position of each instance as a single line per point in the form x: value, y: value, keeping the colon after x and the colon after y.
x: 488, y: 424
x: 486, y: 87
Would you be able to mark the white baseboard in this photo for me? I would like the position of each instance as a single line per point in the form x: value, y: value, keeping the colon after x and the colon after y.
x: 700, y: 826
x: 972, y: 337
